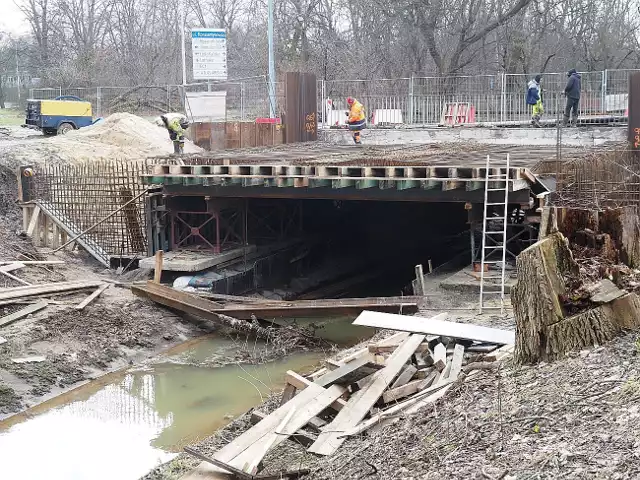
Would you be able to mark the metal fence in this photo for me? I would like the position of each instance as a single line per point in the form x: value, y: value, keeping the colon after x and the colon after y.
x: 497, y: 98
x: 419, y: 101
x: 246, y: 99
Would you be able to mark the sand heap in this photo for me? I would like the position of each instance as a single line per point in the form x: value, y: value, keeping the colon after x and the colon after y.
x: 119, y: 136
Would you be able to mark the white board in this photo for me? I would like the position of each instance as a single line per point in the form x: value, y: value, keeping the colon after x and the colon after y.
x: 207, y: 106
x: 209, y: 50
x: 435, y: 326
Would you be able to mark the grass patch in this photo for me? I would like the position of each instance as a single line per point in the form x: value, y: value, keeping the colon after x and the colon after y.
x: 11, y: 116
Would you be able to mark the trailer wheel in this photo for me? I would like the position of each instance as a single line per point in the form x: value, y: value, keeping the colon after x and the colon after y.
x: 65, y: 128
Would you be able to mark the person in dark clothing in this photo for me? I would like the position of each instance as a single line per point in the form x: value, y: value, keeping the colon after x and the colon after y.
x: 572, y: 92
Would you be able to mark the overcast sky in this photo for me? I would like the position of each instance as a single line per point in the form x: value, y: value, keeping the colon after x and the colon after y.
x: 12, y: 19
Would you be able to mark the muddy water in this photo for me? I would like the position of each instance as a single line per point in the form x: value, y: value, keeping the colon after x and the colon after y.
x: 125, y: 423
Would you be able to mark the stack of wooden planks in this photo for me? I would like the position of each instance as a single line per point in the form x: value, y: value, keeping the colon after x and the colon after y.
x: 372, y: 386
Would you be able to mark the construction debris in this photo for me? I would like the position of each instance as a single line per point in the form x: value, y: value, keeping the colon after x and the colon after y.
x: 34, y: 359
x: 382, y: 384
x: 8, y: 295
x: 33, y: 308
x: 93, y: 296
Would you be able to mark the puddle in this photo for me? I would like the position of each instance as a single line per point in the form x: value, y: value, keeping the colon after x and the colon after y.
x: 124, y: 424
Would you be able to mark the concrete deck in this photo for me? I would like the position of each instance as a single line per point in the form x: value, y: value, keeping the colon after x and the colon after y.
x: 195, y: 261
x: 468, y: 281
x: 587, y: 136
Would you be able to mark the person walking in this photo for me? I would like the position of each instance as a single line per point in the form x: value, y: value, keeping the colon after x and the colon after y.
x: 357, y: 120
x: 534, y: 98
x: 572, y: 92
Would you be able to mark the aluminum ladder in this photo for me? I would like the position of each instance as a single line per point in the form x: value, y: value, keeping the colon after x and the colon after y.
x: 496, y: 183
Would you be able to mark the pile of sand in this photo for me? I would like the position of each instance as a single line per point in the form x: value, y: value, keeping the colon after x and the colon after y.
x: 119, y: 136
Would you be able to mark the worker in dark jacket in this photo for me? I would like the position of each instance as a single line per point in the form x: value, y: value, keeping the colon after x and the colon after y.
x: 572, y: 92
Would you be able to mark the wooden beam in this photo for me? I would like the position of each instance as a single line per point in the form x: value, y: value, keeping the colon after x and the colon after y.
x: 350, y: 373
x: 248, y: 446
x: 440, y: 357
x: 402, y: 391
x: 301, y: 383
x: 93, y: 296
x: 45, y: 289
x: 361, y: 402
x: 435, y: 326
x: 157, y: 272
x: 407, y: 374
x: 11, y: 267
x: 9, y: 319
x: 456, y: 362
x: 304, y: 439
x: 35, y: 218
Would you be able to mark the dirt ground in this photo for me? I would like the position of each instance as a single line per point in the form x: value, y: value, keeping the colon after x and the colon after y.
x: 116, y: 330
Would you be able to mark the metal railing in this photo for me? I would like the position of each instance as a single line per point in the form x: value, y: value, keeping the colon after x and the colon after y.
x: 499, y: 98
x: 417, y: 101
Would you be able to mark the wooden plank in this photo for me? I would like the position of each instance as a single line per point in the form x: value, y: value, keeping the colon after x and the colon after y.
x: 301, y: 437
x: 350, y: 373
x: 301, y: 383
x: 11, y: 267
x: 440, y: 357
x: 287, y: 394
x: 435, y: 326
x: 260, y: 449
x: 394, y: 340
x: 34, y: 262
x: 404, y: 377
x: 304, y: 411
x: 429, y: 380
x: 46, y: 289
x: 33, y: 224
x: 361, y: 402
x: 157, y: 272
x: 456, y: 362
x: 92, y: 297
x: 402, y: 392
x: 9, y: 319
x: 377, y: 348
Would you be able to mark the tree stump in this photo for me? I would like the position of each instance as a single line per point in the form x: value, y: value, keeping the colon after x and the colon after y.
x: 535, y: 297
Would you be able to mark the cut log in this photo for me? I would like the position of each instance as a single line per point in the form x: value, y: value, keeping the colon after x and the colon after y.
x: 535, y: 301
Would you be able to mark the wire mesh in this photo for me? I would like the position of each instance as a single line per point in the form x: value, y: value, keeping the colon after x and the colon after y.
x: 85, y: 194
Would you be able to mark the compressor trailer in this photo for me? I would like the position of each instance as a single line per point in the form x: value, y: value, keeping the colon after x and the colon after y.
x: 58, y: 116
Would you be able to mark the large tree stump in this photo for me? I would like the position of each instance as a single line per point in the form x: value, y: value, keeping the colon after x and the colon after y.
x: 535, y: 297
x: 593, y: 327
x: 623, y: 225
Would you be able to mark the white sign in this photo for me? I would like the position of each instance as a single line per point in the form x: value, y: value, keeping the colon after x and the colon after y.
x: 209, y: 48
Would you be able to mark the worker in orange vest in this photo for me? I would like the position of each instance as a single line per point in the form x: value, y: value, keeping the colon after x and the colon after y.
x: 357, y: 120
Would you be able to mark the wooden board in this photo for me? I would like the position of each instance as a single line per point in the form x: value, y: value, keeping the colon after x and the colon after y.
x: 440, y: 357
x: 92, y: 297
x: 11, y: 267
x: 361, y: 402
x: 35, y: 216
x: 9, y: 319
x: 404, y: 377
x: 350, y: 372
x: 300, y: 383
x: 402, y: 392
x: 309, y: 403
x: 435, y: 326
x: 456, y: 362
x: 46, y: 289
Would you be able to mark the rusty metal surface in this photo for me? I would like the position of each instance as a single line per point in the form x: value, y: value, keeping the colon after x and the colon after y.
x: 301, y: 124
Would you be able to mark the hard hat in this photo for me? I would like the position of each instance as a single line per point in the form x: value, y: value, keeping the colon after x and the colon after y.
x: 349, y: 101
x: 28, y: 172
x: 184, y: 123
